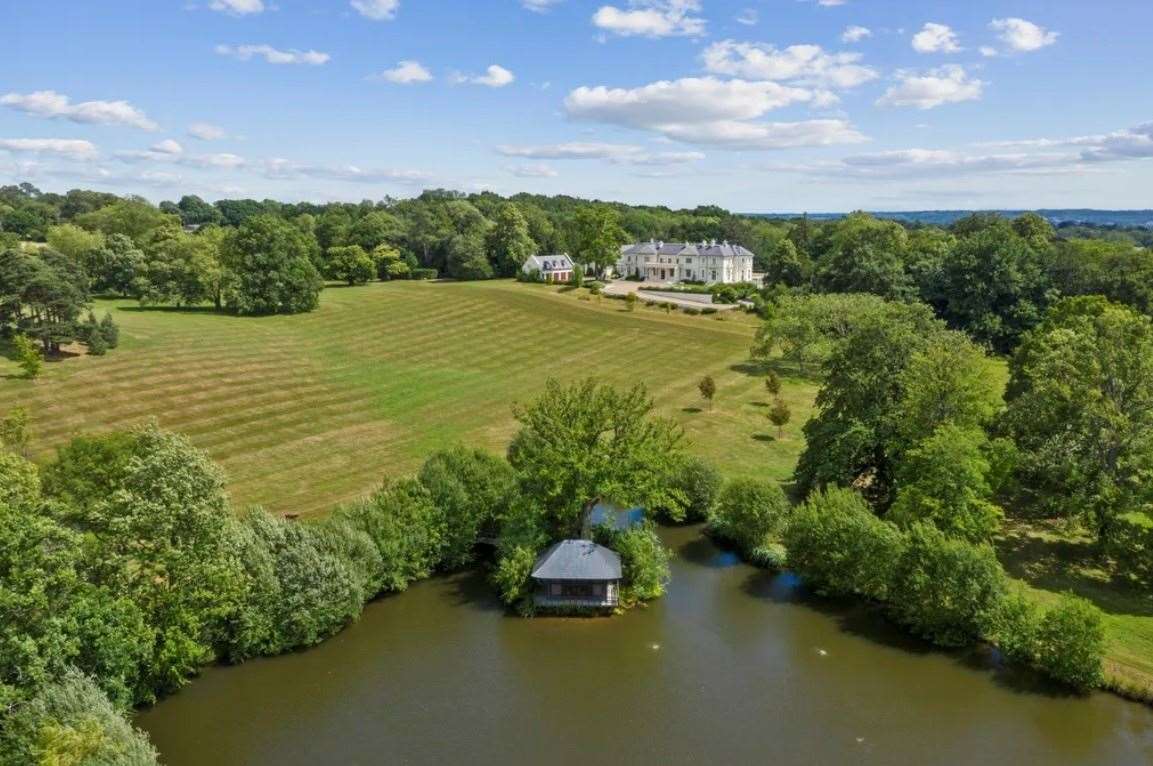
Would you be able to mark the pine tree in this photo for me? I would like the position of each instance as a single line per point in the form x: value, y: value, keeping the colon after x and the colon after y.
x: 97, y: 346
x: 110, y: 331
x: 773, y: 384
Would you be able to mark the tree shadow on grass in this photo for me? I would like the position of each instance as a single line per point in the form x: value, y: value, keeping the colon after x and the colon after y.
x: 765, y: 438
x: 1047, y: 558
x: 174, y: 310
x: 691, y: 410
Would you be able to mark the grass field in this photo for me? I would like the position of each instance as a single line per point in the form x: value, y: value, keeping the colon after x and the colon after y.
x: 306, y: 411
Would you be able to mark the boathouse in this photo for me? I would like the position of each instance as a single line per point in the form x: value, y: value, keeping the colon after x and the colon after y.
x: 577, y: 574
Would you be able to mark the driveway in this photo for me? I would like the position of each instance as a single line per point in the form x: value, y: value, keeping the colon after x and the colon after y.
x: 624, y: 287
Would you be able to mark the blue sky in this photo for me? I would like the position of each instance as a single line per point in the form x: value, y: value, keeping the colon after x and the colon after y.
x: 756, y: 105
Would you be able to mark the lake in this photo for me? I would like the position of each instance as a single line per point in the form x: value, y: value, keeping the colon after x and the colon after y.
x: 734, y: 665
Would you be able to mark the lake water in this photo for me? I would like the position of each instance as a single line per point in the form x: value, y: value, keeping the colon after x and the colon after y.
x: 734, y: 665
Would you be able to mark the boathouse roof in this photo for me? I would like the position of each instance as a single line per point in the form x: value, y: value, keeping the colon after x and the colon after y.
x: 577, y: 560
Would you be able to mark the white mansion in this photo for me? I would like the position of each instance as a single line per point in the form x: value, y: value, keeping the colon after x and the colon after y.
x: 706, y: 262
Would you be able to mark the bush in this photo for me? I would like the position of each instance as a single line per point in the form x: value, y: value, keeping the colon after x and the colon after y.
x: 424, y: 273
x: 97, y: 346
x: 708, y: 310
x: 578, y: 276
x: 28, y: 356
x: 1071, y: 643
x: 750, y: 514
x: 1012, y: 627
x: 644, y: 563
x: 839, y: 547
x: 945, y: 590
x: 472, y: 490
x: 596, y: 288
x: 521, y: 540
x: 110, y: 331
x: 697, y: 483
x: 71, y: 721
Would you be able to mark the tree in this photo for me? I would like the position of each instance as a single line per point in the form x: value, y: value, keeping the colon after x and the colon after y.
x: 115, y: 265
x: 708, y: 388
x: 271, y: 268
x: 375, y: 229
x: 697, y: 484
x: 28, y: 356
x: 944, y: 481
x: 773, y: 383
x: 751, y: 514
x: 1080, y: 410
x: 994, y: 286
x: 779, y: 416
x: 350, y: 264
x: 849, y: 441
x: 43, y: 296
x: 805, y: 329
x: 473, y: 490
x: 467, y: 259
x: 596, y: 237
x: 194, y: 211
x: 97, y: 346
x: 1071, y: 643
x: 586, y: 442
x: 631, y: 301
x: 788, y: 266
x: 182, y: 269
x: 866, y: 255
x: 945, y: 589
x: 110, y: 331
x: 509, y: 242
x: 134, y: 218
x: 73, y: 241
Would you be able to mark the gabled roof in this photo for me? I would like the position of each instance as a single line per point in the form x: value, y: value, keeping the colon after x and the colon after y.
x: 577, y: 560
x: 548, y: 263
x: 714, y: 248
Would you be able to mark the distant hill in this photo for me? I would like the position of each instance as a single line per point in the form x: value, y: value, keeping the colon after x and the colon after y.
x: 1120, y: 218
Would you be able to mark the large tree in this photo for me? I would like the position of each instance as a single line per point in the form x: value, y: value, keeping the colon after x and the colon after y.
x: 595, y: 235
x: 509, y: 243
x: 272, y: 272
x: 1080, y: 409
x: 587, y: 441
x: 866, y: 255
x: 42, y: 295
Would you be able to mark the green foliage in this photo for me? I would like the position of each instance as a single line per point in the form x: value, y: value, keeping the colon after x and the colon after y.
x: 750, y: 514
x: 73, y: 241
x: 644, y: 563
x: 408, y: 530
x: 70, y: 721
x: 522, y: 538
x: 944, y: 481
x: 1117, y: 270
x: 806, y: 328
x: 110, y: 331
x: 28, y: 356
x: 945, y: 590
x: 773, y: 384
x: 97, y: 346
x: 584, y: 442
x: 708, y: 388
x: 509, y: 242
x: 42, y: 295
x: 472, y: 489
x: 865, y: 255
x: 424, y: 273
x: 14, y: 431
x: 779, y: 416
x: 272, y: 272
x: 134, y: 218
x: 1080, y: 410
x: 595, y: 235
x: 350, y: 264
x: 1129, y: 542
x: 697, y: 484
x: 631, y: 301
x: 840, y: 548
x: 116, y: 266
x: 1071, y: 643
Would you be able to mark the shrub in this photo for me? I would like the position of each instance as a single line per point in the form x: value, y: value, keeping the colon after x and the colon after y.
x: 97, y: 346
x: 644, y: 563
x: 424, y: 273
x: 71, y: 721
x: 578, y: 276
x: 698, y: 483
x: 521, y: 540
x: 749, y: 513
x: 472, y: 490
x: 1071, y: 643
x: 945, y: 590
x: 839, y: 547
x: 28, y: 356
x: 692, y: 311
x: 110, y: 331
x: 708, y: 310
x: 596, y: 288
x: 1012, y: 626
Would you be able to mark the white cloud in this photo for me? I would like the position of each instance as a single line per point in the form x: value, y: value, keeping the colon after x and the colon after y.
x: 831, y: 3
x: 223, y: 160
x: 749, y: 17
x: 53, y: 105
x: 709, y: 111
x: 282, y: 169
x: 237, y: 7
x: 652, y: 18
x: 533, y: 171
x: 539, y: 6
x: 406, y: 73
x: 628, y: 154
x: 945, y: 85
x: 988, y: 51
x: 1021, y: 36
x: 377, y: 10
x: 1128, y: 144
x: 803, y: 64
x: 936, y: 38
x: 854, y: 34
x: 495, y: 76
x: 168, y: 146
x: 273, y: 55
x: 75, y: 149
x: 206, y: 131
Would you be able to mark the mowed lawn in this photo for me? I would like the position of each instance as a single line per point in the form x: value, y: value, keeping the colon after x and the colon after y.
x: 307, y: 411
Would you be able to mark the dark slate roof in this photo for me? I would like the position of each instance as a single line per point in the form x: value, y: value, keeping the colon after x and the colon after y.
x: 721, y: 249
x: 577, y: 560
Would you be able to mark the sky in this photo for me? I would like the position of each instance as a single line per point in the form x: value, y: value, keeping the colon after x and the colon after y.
x: 754, y: 105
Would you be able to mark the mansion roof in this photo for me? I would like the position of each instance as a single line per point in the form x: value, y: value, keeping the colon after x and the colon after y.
x: 713, y: 248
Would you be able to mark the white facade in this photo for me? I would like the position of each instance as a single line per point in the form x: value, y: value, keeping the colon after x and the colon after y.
x: 671, y: 262
x: 552, y: 268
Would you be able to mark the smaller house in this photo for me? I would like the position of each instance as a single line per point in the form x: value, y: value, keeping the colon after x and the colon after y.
x: 577, y: 574
x: 552, y: 268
